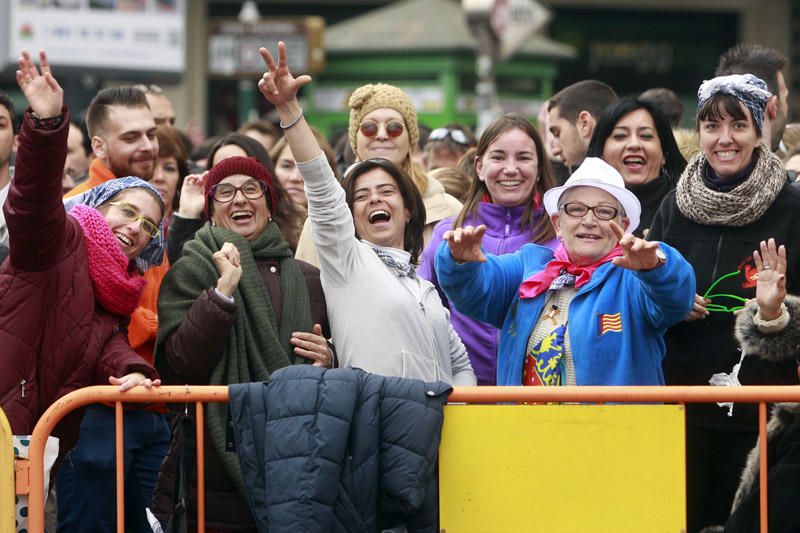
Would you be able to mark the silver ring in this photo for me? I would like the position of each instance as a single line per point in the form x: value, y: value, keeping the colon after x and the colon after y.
x: 765, y: 267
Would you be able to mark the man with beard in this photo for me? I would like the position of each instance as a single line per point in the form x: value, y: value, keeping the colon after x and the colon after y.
x: 123, y: 135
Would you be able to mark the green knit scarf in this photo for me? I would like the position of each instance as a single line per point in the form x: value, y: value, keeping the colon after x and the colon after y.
x: 256, y: 347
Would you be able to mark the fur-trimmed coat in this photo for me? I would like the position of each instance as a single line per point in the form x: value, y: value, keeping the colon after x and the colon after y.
x: 783, y: 434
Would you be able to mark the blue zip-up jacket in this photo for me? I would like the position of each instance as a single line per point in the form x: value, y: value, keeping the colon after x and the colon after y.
x: 504, y: 234
x: 648, y: 303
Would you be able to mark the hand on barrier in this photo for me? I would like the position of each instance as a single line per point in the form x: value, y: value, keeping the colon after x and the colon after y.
x: 133, y: 379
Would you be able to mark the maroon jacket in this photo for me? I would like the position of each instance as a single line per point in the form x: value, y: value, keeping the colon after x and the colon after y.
x: 54, y: 338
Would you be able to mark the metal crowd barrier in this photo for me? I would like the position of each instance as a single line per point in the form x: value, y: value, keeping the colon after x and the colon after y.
x: 30, y: 474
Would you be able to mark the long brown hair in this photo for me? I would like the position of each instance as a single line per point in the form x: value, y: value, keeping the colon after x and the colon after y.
x: 541, y: 229
x: 412, y: 200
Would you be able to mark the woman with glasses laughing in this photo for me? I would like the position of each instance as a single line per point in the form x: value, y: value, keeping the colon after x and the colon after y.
x: 591, y: 312
x: 233, y: 309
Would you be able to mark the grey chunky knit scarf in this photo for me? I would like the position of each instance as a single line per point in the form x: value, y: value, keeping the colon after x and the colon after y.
x: 738, y: 207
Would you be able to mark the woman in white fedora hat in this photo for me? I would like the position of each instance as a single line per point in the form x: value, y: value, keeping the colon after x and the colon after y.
x: 592, y: 312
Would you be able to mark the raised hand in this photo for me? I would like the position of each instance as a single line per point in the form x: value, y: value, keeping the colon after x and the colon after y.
x: 771, y: 287
x: 193, y: 198
x: 41, y: 90
x: 313, y: 346
x: 229, y: 267
x: 278, y: 85
x: 465, y: 243
x: 637, y: 254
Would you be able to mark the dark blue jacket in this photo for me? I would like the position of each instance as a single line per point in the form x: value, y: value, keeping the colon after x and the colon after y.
x: 339, y: 450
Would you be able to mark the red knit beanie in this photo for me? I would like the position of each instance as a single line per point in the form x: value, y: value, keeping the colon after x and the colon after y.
x: 249, y: 166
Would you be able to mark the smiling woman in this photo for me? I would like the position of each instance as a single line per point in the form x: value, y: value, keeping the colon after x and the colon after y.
x: 69, y: 282
x: 732, y: 196
x: 234, y: 308
x: 383, y: 124
x: 512, y: 176
x: 635, y: 138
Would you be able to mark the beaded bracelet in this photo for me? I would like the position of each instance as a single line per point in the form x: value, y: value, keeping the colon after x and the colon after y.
x: 47, y: 123
x: 292, y: 123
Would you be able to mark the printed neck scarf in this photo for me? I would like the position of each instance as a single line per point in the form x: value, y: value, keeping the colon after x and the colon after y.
x: 399, y: 269
x: 560, y: 264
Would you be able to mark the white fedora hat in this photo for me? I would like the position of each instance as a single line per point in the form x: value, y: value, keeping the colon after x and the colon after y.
x: 594, y: 172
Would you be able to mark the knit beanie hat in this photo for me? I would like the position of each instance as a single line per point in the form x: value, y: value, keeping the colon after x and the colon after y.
x: 372, y: 96
x: 249, y: 166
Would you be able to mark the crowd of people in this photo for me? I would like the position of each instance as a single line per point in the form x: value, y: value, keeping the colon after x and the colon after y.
x: 600, y: 245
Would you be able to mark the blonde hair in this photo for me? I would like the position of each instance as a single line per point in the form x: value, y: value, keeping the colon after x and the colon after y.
x: 455, y: 182
x: 790, y: 143
x: 688, y: 142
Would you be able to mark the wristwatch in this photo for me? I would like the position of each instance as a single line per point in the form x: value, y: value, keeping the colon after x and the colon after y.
x: 661, y: 256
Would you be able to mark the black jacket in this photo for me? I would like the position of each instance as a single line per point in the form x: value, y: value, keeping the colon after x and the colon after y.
x: 339, y: 450
x: 697, y: 350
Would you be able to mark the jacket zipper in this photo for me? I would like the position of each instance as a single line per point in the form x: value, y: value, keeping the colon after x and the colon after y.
x: 434, y: 352
x: 508, y: 222
x: 716, y: 258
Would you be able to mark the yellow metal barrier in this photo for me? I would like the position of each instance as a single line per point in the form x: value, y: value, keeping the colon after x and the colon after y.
x: 7, y: 506
x: 459, y: 453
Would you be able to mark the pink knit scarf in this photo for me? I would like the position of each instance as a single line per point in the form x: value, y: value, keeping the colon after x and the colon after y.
x: 117, y: 290
x: 540, y: 282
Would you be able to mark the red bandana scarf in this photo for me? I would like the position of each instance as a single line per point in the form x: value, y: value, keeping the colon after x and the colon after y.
x: 540, y: 282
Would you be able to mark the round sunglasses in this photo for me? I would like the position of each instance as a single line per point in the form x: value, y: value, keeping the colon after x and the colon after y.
x: 394, y: 128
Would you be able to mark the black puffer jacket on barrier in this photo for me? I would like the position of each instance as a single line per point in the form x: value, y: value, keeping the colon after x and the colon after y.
x: 339, y: 450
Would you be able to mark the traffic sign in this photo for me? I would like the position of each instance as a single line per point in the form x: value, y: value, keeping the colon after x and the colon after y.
x: 514, y: 21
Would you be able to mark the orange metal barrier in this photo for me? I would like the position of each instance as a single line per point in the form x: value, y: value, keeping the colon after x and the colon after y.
x: 34, y: 469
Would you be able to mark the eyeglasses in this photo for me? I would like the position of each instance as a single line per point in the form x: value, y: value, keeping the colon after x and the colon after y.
x: 225, y: 192
x: 579, y: 210
x: 457, y: 136
x: 394, y: 128
x: 150, y: 88
x: 131, y: 215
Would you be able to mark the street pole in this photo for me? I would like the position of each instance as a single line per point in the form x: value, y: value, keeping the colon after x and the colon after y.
x: 246, y: 88
x: 487, y: 105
